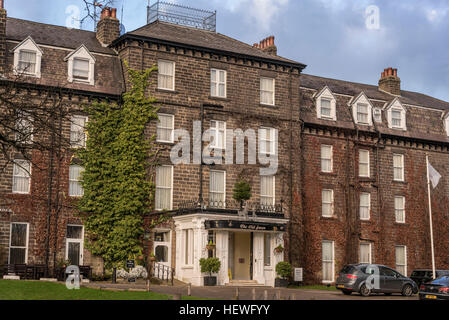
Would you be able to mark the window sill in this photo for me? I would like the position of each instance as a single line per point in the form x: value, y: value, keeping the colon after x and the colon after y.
x: 366, y: 179
x: 167, y: 143
x: 401, y: 224
x: 400, y: 182
x: 333, y: 218
x: 166, y: 91
x: 271, y: 106
x: 187, y: 268
x: 219, y: 98
x: 329, y: 174
x: 327, y: 119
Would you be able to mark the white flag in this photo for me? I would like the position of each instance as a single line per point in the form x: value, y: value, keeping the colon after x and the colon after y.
x: 434, y: 176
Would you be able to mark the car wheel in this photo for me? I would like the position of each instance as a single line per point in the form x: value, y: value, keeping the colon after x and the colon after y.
x: 407, y: 291
x: 364, y: 291
x: 347, y: 292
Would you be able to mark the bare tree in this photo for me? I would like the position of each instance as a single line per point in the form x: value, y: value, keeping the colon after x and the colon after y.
x: 92, y: 9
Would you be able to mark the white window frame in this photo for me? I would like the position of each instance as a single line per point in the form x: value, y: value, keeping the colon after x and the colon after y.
x: 172, y: 128
x: 189, y: 244
x: 267, y: 238
x: 28, y: 45
x: 325, y: 281
x: 332, y: 203
x: 273, y: 92
x: 369, y: 244
x: 262, y: 196
x: 215, y: 191
x: 78, y: 144
x: 166, y: 188
x: 359, y: 113
x: 159, y: 83
x: 163, y: 244
x: 81, y: 53
x: 368, y: 206
x: 29, y: 176
x: 402, y: 168
x: 215, y: 132
x: 75, y: 181
x: 216, y: 83
x: 324, y: 146
x: 396, y: 105
x: 362, y: 164
x: 326, y: 94
x: 359, y: 101
x: 377, y: 115
x: 71, y: 240
x: 263, y: 139
x: 15, y: 247
x: 399, y: 210
x: 405, y: 259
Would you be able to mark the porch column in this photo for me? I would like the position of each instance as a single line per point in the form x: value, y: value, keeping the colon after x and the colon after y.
x: 222, y: 238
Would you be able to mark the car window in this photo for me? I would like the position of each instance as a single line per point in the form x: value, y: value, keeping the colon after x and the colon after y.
x: 348, y: 270
x: 387, y: 272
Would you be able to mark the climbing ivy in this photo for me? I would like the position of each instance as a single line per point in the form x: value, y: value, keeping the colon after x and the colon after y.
x: 117, y: 189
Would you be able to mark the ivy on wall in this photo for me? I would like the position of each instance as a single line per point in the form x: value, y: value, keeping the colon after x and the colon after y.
x: 117, y: 189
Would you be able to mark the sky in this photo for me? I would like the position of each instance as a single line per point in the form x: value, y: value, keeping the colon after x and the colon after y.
x: 353, y: 40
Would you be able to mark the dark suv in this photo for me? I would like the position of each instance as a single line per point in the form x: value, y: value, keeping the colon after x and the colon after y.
x: 366, y: 279
x: 425, y: 275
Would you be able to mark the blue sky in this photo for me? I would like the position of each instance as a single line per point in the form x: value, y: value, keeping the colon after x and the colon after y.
x: 330, y: 36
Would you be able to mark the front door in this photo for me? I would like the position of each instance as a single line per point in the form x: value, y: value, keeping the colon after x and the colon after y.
x: 74, y: 245
x: 242, y: 256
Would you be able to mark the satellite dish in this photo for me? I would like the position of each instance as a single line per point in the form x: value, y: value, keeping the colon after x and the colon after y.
x: 122, y: 29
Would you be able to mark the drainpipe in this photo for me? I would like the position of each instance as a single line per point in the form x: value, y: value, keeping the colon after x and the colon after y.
x: 200, y: 197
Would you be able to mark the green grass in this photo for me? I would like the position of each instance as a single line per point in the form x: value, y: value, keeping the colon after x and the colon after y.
x: 316, y: 287
x: 36, y: 290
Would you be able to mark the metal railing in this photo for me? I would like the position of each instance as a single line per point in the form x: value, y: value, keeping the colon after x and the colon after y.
x: 162, y: 272
x: 182, y: 15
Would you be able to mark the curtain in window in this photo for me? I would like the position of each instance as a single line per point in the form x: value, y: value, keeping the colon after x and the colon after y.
x: 365, y: 253
x: 401, y: 263
x: 163, y: 188
x: 75, y: 187
x: 364, y: 163
x: 27, y: 61
x: 165, y: 128
x: 217, y: 189
x: 267, y: 91
x: 327, y: 203
x: 399, y: 204
x: 396, y: 118
x: 80, y: 69
x: 362, y: 113
x: 18, y: 248
x: 77, y: 131
x: 21, y: 176
x: 267, y: 140
x: 267, y: 190
x: 328, y: 261
x: 326, y: 108
x: 326, y: 158
x: 218, y: 83
x: 398, y: 164
x: 364, y: 206
x: 166, y: 75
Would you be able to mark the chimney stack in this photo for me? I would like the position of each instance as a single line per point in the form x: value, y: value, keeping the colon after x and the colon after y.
x: 390, y: 82
x: 108, y: 28
x: 267, y: 45
x: 2, y: 39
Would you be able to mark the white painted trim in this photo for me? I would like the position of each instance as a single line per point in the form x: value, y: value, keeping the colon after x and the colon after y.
x: 274, y: 92
x: 362, y: 99
x: 65, y: 49
x: 174, y: 75
x: 369, y: 206
x: 27, y: 241
x: 332, y: 203
x: 369, y: 163
x: 172, y: 129
x: 224, y: 182
x: 370, y: 252
x: 406, y: 260
x: 30, y: 174
x: 29, y: 45
x: 81, y: 53
x: 326, y: 93
x: 217, y: 82
x: 332, y: 158
x: 80, y: 241
x: 171, y: 193
x: 333, y: 261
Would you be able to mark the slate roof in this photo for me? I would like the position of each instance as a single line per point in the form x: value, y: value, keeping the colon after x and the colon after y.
x: 58, y: 36
x: 204, y: 39
x: 372, y: 91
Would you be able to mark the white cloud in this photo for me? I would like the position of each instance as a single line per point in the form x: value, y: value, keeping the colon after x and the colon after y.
x: 435, y: 16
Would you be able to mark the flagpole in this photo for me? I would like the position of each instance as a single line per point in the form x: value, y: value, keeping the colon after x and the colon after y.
x: 430, y: 216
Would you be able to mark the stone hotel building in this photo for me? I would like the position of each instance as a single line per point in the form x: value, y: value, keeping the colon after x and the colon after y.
x: 350, y: 184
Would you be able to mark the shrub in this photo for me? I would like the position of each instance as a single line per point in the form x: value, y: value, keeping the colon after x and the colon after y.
x: 210, y: 265
x: 284, y: 270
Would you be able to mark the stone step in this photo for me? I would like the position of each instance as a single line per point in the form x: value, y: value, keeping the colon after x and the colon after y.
x: 244, y: 283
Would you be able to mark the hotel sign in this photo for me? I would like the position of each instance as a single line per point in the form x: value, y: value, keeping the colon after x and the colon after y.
x: 244, y: 225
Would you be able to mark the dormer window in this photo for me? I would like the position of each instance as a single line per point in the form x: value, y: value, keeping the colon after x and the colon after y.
x: 326, y: 105
x: 362, y: 110
x: 27, y: 59
x: 81, y: 66
x: 377, y: 113
x: 397, y: 115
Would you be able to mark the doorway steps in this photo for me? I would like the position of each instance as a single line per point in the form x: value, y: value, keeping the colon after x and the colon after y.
x: 244, y: 283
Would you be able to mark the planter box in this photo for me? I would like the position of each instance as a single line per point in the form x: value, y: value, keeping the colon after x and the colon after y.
x: 210, y: 281
x: 281, y: 283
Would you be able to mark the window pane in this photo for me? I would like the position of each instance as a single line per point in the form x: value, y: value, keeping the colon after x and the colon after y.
x: 327, y: 203
x: 164, y: 178
x: 267, y: 249
x: 161, y: 254
x: 17, y: 255
x: 27, y: 61
x: 326, y: 158
x: 81, y: 69
x: 165, y: 128
x: 18, y: 235
x: 217, y: 189
x: 77, y: 131
x: 326, y: 107
x: 75, y: 186
x: 365, y: 253
x: 166, y: 75
x: 21, y: 176
x: 267, y: 91
x: 74, y: 232
x: 267, y: 190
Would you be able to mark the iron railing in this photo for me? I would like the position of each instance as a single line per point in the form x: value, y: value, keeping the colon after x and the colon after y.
x: 182, y: 15
x: 163, y: 272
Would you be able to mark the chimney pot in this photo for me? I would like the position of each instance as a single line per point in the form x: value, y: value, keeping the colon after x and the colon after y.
x: 390, y: 82
x: 2, y: 4
x: 114, y: 12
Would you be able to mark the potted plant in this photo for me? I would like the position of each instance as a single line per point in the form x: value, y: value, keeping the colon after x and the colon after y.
x: 210, y: 266
x: 210, y: 246
x: 279, y: 249
x: 242, y: 192
x: 284, y: 271
x: 152, y: 257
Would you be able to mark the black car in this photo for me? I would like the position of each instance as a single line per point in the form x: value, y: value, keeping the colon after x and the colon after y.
x: 426, y: 275
x: 359, y: 277
x: 435, y: 290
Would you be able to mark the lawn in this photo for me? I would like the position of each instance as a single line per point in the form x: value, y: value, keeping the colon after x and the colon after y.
x: 38, y: 290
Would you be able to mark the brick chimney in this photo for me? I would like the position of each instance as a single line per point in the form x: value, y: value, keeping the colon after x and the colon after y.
x: 108, y: 28
x: 268, y: 46
x: 2, y: 39
x: 390, y: 82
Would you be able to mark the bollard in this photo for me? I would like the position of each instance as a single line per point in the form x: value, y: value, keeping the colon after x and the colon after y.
x: 265, y: 295
x: 189, y: 290
x: 293, y: 297
x: 254, y: 294
x: 278, y: 295
x: 176, y: 296
x: 237, y: 294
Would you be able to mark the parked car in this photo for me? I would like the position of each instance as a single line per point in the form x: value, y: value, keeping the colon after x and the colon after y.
x: 353, y: 278
x: 425, y: 275
x: 435, y: 290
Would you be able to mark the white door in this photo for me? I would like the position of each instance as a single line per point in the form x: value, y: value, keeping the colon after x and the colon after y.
x: 75, y: 245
